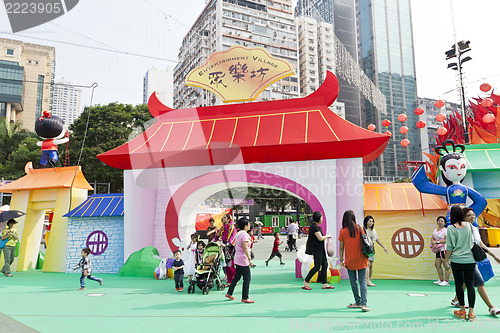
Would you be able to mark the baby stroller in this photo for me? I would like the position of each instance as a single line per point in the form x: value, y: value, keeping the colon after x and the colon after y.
x: 207, y: 273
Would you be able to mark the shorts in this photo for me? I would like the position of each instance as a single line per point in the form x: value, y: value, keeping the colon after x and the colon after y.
x: 48, y: 155
x: 478, y: 278
x: 276, y: 254
x: 372, y: 258
x: 440, y: 255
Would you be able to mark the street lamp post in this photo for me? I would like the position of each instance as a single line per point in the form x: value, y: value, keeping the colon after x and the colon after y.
x: 456, y: 51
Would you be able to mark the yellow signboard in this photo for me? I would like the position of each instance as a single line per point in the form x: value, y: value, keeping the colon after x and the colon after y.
x: 239, y: 73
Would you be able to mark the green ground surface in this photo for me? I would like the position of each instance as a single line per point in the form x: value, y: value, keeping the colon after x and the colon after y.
x: 50, y: 302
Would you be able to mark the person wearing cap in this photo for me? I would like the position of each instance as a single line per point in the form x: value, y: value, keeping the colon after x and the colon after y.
x: 9, y: 250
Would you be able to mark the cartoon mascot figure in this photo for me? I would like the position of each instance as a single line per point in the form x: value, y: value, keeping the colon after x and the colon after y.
x: 52, y: 130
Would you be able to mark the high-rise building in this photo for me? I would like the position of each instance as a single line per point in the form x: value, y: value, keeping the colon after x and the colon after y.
x: 268, y: 24
x: 342, y: 15
x: 386, y: 55
x: 160, y: 81
x: 316, y: 56
x: 66, y: 102
x: 26, y: 75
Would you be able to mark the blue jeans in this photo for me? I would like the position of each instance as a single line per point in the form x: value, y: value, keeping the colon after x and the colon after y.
x: 362, y: 285
x: 90, y: 277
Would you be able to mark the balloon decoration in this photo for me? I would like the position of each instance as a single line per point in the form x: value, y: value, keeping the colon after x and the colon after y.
x: 371, y: 127
x: 403, y: 130
x: 386, y: 123
x: 440, y: 117
x: 488, y: 118
x: 419, y: 111
x: 442, y: 131
x: 487, y: 102
x: 53, y: 132
x: 485, y: 87
x: 439, y: 103
x: 420, y: 124
x: 453, y: 166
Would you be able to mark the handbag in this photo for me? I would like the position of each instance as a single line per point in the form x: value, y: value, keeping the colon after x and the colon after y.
x: 3, y: 242
x: 477, y: 251
x: 485, y: 269
x: 330, y: 247
x: 367, y: 246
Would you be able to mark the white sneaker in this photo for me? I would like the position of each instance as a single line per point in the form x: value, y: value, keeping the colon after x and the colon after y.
x: 494, y: 311
x: 444, y: 283
x: 438, y: 281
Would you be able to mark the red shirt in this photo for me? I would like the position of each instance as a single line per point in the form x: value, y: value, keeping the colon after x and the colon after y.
x: 354, y: 259
x: 48, y: 145
x: 276, y: 244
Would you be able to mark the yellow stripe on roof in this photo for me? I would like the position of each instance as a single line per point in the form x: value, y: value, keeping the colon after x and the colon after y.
x: 110, y: 201
x: 90, y: 204
x: 488, y: 155
x: 257, y: 132
x: 211, y: 133
x: 116, y: 205
x: 92, y: 214
x: 189, y: 135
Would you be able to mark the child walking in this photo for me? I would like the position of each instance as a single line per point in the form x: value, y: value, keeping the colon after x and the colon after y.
x: 276, y: 251
x: 178, y: 267
x: 84, y: 264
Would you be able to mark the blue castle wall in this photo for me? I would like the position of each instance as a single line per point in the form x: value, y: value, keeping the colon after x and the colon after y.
x: 79, y: 228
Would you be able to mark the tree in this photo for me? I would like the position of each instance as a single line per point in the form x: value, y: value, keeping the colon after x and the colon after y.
x: 109, y: 127
x: 17, y: 147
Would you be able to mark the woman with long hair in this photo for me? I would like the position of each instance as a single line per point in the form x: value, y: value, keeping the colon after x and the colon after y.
x: 355, y: 261
x: 316, y: 246
x: 369, y: 224
x: 459, y: 241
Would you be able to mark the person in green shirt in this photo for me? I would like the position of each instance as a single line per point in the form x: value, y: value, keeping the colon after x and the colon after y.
x: 459, y: 242
x: 9, y: 250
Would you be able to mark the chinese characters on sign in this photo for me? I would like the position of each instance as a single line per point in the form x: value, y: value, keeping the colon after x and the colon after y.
x: 239, y: 73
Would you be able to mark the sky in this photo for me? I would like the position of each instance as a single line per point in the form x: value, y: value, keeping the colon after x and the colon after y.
x: 145, y: 34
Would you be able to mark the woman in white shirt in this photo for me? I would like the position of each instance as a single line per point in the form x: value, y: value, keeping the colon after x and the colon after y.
x: 438, y: 246
x: 369, y: 224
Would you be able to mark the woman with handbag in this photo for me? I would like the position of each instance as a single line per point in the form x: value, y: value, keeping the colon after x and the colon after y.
x: 226, y: 236
x: 438, y: 246
x: 9, y: 251
x: 369, y: 224
x: 355, y: 261
x: 459, y: 242
x: 316, y: 246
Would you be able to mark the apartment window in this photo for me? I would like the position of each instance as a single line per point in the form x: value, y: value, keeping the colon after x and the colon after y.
x: 275, y: 220
x: 10, y: 52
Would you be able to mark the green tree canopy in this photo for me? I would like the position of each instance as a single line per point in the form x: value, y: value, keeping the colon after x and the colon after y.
x: 109, y: 126
x: 17, y: 147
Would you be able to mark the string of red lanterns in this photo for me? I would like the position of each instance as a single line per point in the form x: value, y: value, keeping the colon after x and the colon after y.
x: 403, y: 130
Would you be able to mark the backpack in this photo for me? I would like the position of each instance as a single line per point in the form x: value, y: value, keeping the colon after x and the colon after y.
x: 367, y: 246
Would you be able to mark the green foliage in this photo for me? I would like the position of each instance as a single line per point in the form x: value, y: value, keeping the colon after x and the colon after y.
x: 109, y: 127
x: 17, y: 147
x: 403, y: 180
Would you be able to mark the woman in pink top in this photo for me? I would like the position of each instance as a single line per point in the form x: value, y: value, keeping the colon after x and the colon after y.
x: 242, y: 261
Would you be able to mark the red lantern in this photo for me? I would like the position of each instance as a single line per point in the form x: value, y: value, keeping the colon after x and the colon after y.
x: 440, y: 117
x: 485, y: 87
x: 403, y: 130
x: 402, y: 117
x: 405, y: 142
x: 371, y: 127
x: 388, y: 133
x: 419, y: 111
x: 442, y: 130
x: 386, y: 123
x: 488, y: 118
x: 439, y: 104
x: 487, y: 102
x: 420, y: 124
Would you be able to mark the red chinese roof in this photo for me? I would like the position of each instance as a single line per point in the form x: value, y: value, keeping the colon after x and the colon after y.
x: 258, y: 132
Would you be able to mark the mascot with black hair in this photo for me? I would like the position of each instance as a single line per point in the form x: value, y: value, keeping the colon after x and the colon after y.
x: 53, y: 132
x: 453, y: 168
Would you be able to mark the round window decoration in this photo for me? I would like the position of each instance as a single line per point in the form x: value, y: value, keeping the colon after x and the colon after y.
x: 407, y: 242
x: 97, y: 242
